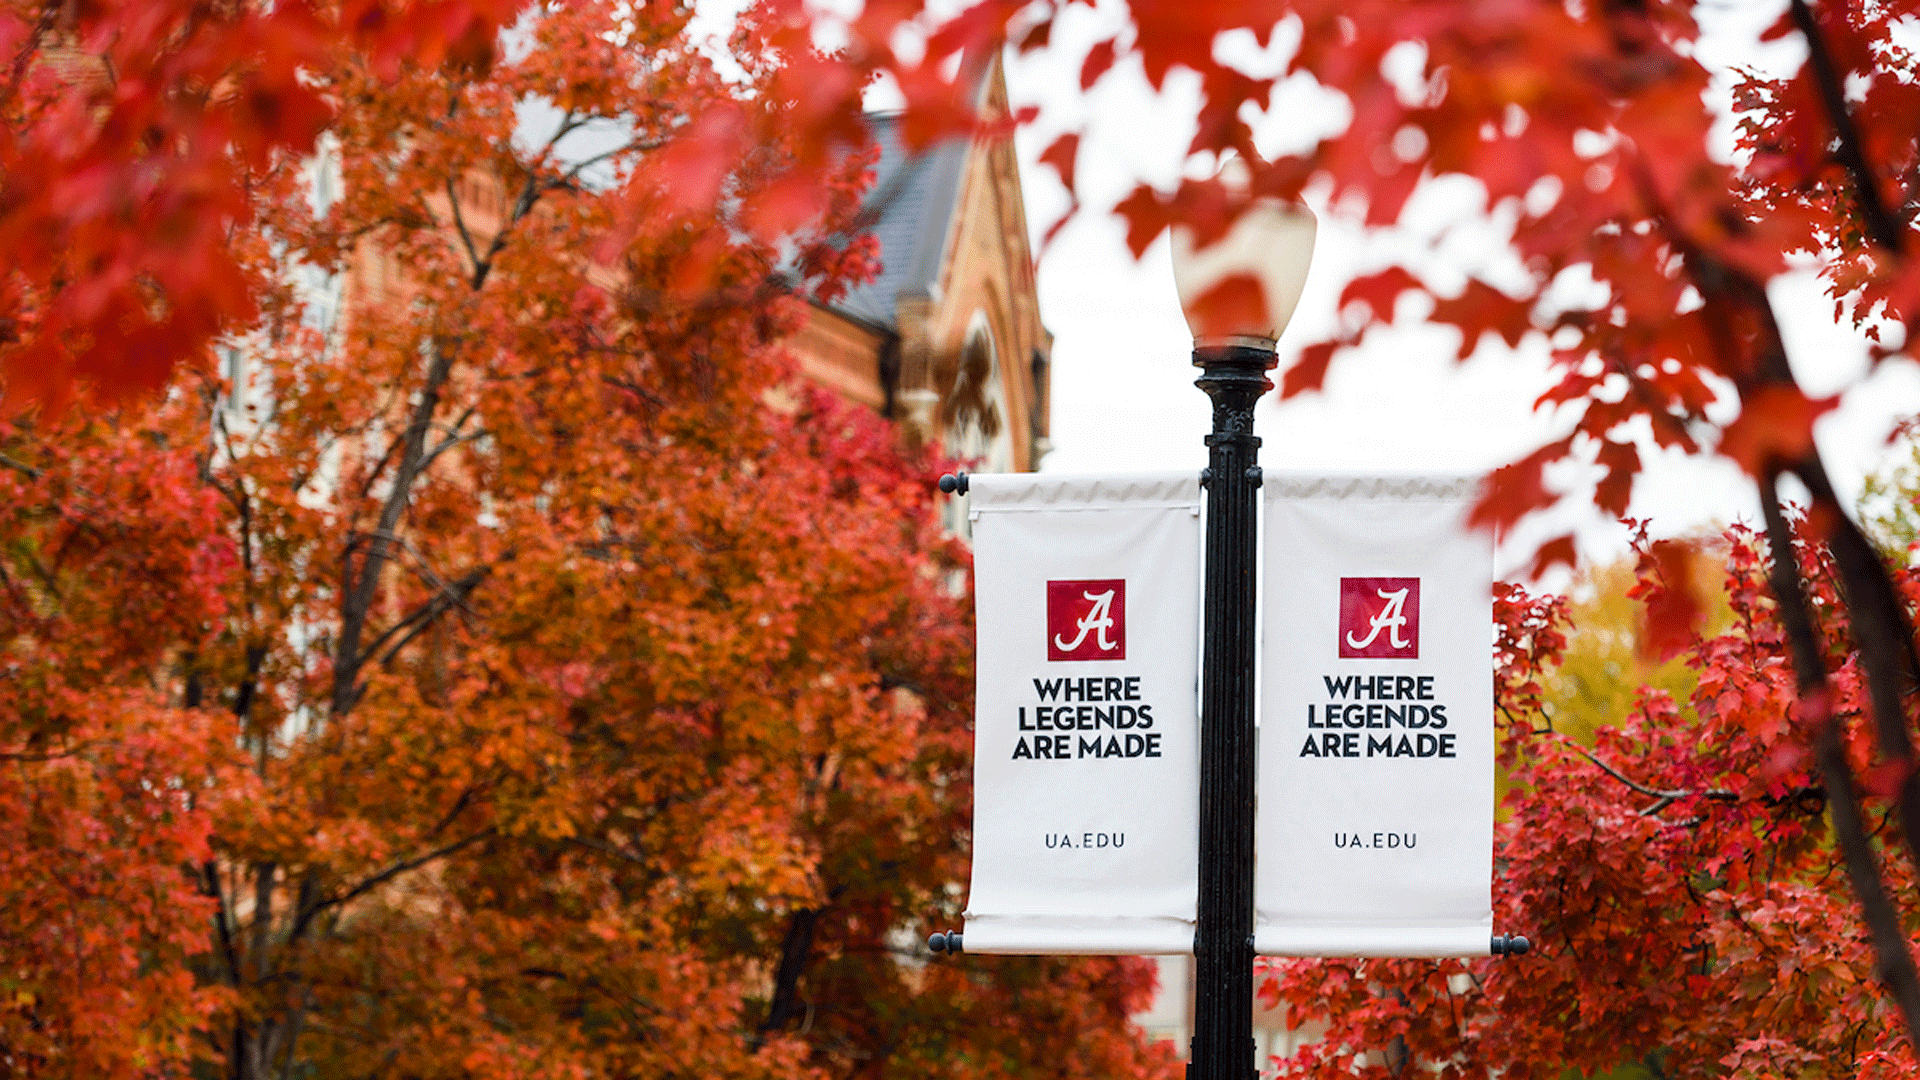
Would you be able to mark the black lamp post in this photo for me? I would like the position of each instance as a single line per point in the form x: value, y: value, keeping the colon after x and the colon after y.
x: 1271, y: 244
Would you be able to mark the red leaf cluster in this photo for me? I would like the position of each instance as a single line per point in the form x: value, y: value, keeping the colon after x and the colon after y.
x: 1644, y: 254
x: 1677, y: 878
x: 133, y: 136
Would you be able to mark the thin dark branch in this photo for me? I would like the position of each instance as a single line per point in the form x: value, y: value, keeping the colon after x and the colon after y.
x: 20, y: 466
x: 404, y: 865
x: 450, y: 594
x: 380, y: 466
x: 460, y: 228
x: 459, y: 806
x: 1892, y: 954
x: 522, y: 206
x: 46, y: 577
x: 572, y: 174
x: 452, y: 441
x: 322, y: 903
x: 569, y: 123
x: 634, y: 388
x: 427, y: 572
x: 423, y: 618
x: 55, y: 756
x: 1666, y: 798
x: 1885, y: 229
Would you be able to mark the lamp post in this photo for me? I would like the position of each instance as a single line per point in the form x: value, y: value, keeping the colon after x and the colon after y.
x: 1238, y: 293
x: 1272, y: 245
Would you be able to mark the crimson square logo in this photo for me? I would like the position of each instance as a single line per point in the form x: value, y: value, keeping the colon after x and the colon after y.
x: 1380, y: 617
x: 1087, y: 620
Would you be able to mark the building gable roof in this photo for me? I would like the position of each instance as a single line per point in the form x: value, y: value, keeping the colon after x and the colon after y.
x: 911, y: 208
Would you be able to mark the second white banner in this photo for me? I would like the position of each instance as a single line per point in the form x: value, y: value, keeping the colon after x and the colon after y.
x: 1375, y: 819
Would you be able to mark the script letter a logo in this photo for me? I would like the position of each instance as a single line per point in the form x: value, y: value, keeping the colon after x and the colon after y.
x: 1100, y: 618
x: 1380, y: 617
x: 1087, y: 620
x: 1391, y: 617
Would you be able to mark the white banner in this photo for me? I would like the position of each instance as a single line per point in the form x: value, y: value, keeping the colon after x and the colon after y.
x: 1375, y: 819
x: 1086, y: 756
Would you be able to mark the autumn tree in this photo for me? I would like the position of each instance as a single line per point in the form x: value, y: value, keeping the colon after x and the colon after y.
x: 113, y: 559
x: 1679, y: 874
x: 513, y: 669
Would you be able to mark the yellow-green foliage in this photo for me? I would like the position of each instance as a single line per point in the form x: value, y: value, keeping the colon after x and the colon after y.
x: 1602, y: 672
x: 1890, y: 504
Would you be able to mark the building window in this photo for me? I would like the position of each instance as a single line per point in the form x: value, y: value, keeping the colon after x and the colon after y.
x: 233, y: 368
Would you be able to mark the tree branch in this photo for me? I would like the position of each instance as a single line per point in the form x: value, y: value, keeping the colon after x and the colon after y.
x: 1885, y: 229
x: 358, y: 590
x: 423, y: 618
x: 450, y: 442
x: 222, y: 918
x: 572, y: 174
x: 1892, y: 955
x: 318, y: 904
x: 380, y: 466
x: 796, y: 952
x: 1664, y: 798
x: 1880, y: 626
x: 460, y: 229
x: 605, y: 848
x: 20, y: 466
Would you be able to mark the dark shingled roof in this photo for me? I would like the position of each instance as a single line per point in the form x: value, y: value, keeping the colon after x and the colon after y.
x: 911, y: 205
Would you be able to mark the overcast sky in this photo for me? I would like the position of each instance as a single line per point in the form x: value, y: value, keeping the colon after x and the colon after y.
x: 1123, y: 394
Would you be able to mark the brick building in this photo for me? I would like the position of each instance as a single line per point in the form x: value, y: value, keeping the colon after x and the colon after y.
x: 947, y: 340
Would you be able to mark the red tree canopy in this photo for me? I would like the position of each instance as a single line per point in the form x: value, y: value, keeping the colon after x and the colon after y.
x: 1688, y: 904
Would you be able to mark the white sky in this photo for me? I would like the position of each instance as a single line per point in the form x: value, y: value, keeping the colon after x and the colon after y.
x: 1123, y: 394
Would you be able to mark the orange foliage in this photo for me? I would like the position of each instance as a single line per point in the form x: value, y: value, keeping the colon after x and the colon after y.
x: 496, y: 683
